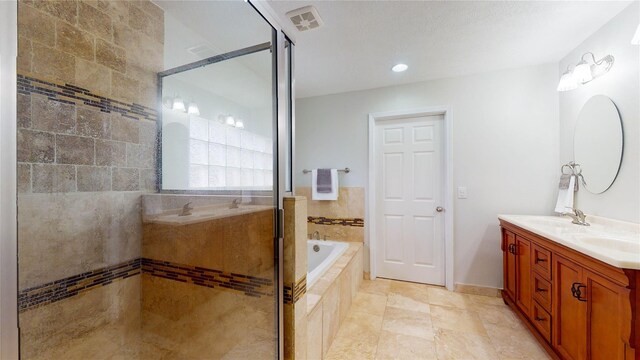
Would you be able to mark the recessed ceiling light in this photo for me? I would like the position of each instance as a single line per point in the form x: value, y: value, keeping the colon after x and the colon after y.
x: 399, y: 67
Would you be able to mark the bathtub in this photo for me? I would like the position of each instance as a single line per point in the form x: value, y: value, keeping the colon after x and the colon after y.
x: 319, y: 261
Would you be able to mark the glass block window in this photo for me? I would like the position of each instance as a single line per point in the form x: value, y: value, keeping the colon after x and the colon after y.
x: 224, y: 157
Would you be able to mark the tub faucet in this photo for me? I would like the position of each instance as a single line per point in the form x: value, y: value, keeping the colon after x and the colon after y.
x: 578, y: 217
x: 235, y: 204
x: 316, y: 235
x: 186, y: 210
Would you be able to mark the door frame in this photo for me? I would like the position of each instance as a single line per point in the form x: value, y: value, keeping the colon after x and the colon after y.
x: 370, y: 226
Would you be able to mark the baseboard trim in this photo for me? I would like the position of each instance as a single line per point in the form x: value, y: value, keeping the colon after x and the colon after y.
x: 477, y: 290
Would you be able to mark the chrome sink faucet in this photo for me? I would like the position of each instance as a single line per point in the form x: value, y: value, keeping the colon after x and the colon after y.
x: 316, y: 235
x: 578, y: 217
x: 235, y: 204
x: 186, y: 210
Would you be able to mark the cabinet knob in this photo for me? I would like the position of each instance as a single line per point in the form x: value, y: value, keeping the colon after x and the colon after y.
x: 540, y: 290
x: 539, y: 318
x: 439, y: 209
x: 540, y: 260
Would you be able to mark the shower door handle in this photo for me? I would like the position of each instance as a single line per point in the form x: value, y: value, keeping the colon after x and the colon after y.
x: 439, y: 209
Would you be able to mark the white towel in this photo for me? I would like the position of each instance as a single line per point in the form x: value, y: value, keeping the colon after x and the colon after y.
x: 565, y: 197
x: 333, y: 195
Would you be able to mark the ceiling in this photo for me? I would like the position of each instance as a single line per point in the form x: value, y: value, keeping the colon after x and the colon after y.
x: 361, y: 40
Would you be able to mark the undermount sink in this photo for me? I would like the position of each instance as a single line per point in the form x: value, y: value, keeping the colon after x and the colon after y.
x: 551, y: 221
x: 610, y: 243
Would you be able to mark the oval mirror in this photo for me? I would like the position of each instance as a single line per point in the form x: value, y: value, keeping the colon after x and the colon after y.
x: 598, y: 143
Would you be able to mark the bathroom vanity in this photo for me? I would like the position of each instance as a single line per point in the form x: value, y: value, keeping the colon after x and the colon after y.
x: 575, y: 287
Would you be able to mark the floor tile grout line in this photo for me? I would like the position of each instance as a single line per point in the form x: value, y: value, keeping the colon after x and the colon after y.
x: 470, y: 305
x: 375, y: 352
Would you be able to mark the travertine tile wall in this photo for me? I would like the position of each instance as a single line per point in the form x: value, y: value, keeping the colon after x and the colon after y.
x: 295, y: 277
x: 346, y: 214
x: 86, y: 152
x: 65, y: 145
x: 329, y: 300
x: 207, y: 306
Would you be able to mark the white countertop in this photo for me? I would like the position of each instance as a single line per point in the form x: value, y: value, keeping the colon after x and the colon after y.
x: 614, y: 242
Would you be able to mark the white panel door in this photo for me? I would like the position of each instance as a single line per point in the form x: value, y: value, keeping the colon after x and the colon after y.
x: 409, y: 166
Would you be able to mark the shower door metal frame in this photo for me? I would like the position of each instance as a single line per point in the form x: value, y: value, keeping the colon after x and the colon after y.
x: 283, y: 113
x: 9, y: 333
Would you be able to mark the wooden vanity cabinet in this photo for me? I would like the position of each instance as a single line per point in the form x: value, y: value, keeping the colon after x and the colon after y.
x: 569, y: 327
x: 509, y: 263
x: 523, y: 274
x: 576, y: 306
x: 517, y: 266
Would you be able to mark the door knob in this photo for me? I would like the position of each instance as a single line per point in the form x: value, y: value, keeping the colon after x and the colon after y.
x: 439, y: 209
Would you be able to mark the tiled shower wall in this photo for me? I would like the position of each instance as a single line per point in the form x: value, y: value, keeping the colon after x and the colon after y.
x: 342, y: 219
x: 86, y: 139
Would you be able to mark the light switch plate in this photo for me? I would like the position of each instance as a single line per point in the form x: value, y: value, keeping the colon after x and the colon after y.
x: 462, y: 192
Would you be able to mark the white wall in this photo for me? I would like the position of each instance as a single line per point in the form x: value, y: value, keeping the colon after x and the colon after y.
x: 622, y: 85
x: 505, y: 150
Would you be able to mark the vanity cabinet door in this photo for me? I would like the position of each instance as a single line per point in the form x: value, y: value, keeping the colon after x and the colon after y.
x: 569, y: 331
x: 523, y: 274
x: 608, y: 314
x: 509, y: 265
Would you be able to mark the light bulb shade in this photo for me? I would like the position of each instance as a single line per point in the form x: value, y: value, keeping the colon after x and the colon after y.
x: 399, y: 67
x: 229, y: 120
x: 193, y: 109
x: 582, y: 73
x: 636, y: 37
x: 239, y: 124
x: 567, y: 82
x: 178, y: 104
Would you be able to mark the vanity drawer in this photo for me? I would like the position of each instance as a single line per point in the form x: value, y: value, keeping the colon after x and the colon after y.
x: 541, y: 320
x: 541, y: 261
x: 541, y: 291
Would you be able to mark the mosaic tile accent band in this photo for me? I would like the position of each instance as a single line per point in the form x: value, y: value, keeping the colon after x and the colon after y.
x: 65, y: 288
x: 293, y: 292
x: 74, y: 285
x: 321, y: 220
x: 249, y: 285
x: 74, y: 95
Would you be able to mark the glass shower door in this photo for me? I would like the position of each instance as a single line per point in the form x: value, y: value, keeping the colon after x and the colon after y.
x: 210, y: 267
x: 148, y: 181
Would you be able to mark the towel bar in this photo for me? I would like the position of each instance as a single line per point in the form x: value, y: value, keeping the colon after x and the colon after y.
x: 345, y: 170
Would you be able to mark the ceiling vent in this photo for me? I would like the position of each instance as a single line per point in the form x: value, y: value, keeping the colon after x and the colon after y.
x: 202, y: 51
x: 305, y: 18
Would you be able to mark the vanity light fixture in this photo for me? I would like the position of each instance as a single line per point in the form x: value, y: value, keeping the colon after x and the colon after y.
x: 585, y: 71
x: 399, y: 67
x: 229, y: 120
x: 178, y: 104
x: 567, y: 81
x: 636, y: 37
x: 239, y: 124
x: 193, y: 109
x: 582, y: 72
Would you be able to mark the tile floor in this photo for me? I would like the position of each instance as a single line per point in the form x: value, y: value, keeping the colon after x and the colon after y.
x: 399, y: 320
